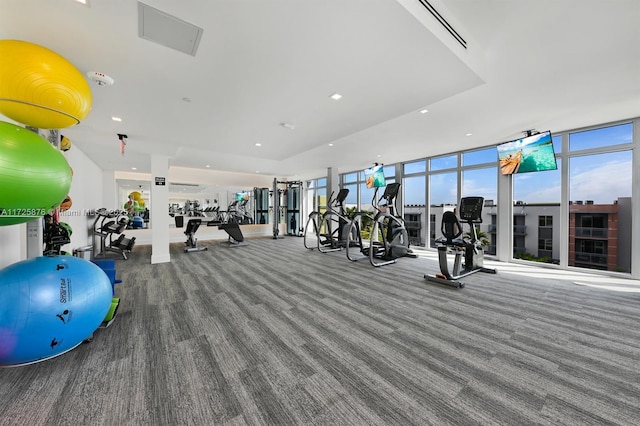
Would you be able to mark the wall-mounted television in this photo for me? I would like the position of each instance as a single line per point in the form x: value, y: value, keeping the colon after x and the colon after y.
x: 530, y: 154
x: 374, y: 177
x: 242, y: 196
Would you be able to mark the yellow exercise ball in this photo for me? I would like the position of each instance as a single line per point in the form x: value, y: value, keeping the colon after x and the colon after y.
x: 135, y: 195
x: 40, y: 88
x: 65, y: 204
x: 65, y: 143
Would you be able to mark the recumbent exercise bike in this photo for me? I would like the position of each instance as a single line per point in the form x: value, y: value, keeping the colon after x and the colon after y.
x: 471, y: 214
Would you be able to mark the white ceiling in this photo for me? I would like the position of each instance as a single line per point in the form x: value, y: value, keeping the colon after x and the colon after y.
x: 529, y: 64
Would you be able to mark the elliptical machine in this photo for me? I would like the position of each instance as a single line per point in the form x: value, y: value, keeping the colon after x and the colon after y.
x: 471, y: 247
x: 389, y: 239
x: 329, y: 228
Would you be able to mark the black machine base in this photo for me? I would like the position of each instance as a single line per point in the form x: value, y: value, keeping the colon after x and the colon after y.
x: 236, y: 239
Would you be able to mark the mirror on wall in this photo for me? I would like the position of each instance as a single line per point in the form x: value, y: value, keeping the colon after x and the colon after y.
x: 134, y: 196
x: 215, y: 202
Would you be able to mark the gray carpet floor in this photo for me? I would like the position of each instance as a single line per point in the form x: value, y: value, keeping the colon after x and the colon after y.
x: 272, y: 333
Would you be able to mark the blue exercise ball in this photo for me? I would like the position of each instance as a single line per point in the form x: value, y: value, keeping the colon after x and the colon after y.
x: 137, y: 222
x: 48, y: 306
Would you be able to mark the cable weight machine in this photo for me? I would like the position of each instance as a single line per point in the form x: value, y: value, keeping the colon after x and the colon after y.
x: 261, y: 205
x: 287, y: 207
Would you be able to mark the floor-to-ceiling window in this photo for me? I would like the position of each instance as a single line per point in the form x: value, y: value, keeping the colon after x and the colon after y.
x: 600, y: 179
x: 316, y: 200
x: 415, y: 201
x: 579, y: 214
x: 536, y: 212
x: 369, y: 197
x: 443, y: 189
x: 317, y: 195
x: 350, y: 181
x: 480, y: 179
x: 361, y: 197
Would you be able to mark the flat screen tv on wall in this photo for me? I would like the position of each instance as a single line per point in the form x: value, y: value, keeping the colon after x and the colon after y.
x: 374, y: 177
x: 530, y: 154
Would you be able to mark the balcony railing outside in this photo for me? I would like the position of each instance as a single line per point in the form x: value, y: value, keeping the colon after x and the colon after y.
x: 600, y: 259
x: 591, y: 232
x: 413, y: 224
x: 520, y: 229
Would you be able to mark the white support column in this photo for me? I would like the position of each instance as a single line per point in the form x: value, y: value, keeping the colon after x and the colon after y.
x: 35, y: 234
x: 400, y: 198
x: 333, y: 181
x: 504, y: 219
x: 635, y: 203
x: 564, y: 203
x: 159, y: 215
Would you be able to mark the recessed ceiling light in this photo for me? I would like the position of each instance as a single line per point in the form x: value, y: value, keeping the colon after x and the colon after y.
x: 257, y: 171
x: 336, y: 96
x: 424, y: 111
x: 116, y: 119
x: 378, y: 155
x: 258, y: 144
x: 330, y: 144
x: 82, y: 1
x: 288, y: 126
x: 207, y: 166
x: 469, y: 134
x: 134, y: 168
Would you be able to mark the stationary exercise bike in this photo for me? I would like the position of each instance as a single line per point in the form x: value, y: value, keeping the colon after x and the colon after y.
x: 470, y: 248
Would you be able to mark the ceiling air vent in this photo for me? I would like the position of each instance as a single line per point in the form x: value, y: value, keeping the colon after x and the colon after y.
x: 167, y: 30
x: 432, y: 10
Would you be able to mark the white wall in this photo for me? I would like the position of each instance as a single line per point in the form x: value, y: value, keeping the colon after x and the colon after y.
x: 202, y: 176
x: 109, y: 191
x: 13, y: 244
x: 86, y: 195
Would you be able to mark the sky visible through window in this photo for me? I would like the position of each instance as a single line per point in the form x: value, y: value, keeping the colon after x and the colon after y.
x: 602, y: 178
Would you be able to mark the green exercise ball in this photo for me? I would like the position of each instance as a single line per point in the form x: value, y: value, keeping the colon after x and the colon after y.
x: 34, y: 175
